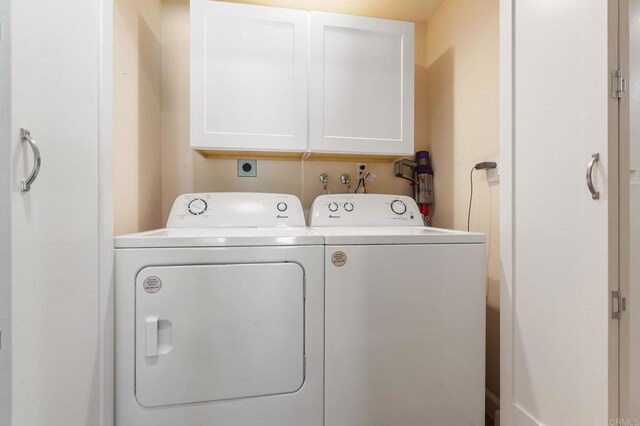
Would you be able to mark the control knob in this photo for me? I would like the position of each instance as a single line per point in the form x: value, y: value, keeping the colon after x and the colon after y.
x: 197, y: 206
x: 333, y: 207
x: 398, y: 207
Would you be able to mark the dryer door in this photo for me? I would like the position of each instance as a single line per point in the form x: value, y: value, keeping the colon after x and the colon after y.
x: 216, y: 332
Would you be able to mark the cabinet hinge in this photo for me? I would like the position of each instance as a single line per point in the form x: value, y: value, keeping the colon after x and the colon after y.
x: 618, y: 304
x: 618, y: 84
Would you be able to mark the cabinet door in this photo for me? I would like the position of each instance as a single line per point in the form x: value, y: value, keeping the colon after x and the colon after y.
x: 361, y: 85
x: 5, y: 170
x: 558, y: 246
x: 5, y: 373
x: 248, y: 77
x: 56, y: 92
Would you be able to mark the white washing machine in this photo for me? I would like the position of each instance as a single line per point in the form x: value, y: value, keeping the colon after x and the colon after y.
x: 404, y: 315
x: 219, y: 316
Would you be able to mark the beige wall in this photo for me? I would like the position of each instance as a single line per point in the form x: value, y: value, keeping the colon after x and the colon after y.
x: 462, y: 94
x: 185, y: 171
x: 137, y: 99
x: 152, y: 160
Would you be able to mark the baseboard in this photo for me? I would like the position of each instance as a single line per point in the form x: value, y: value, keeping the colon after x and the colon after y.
x: 492, y: 404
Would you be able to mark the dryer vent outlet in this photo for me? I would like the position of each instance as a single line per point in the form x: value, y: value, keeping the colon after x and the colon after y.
x: 247, y: 168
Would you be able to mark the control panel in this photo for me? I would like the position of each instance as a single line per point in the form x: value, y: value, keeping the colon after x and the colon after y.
x: 235, y: 210
x: 365, y: 210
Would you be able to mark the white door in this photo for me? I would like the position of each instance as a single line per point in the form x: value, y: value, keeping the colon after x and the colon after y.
x: 215, y: 332
x: 248, y: 77
x: 55, y: 83
x: 556, y: 240
x: 361, y: 82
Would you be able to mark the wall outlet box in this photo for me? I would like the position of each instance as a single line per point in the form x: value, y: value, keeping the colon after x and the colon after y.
x: 493, y: 175
x: 247, y: 168
x: 361, y: 170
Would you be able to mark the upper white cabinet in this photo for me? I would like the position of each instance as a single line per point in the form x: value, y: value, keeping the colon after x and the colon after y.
x: 248, y: 77
x: 274, y: 80
x: 361, y: 85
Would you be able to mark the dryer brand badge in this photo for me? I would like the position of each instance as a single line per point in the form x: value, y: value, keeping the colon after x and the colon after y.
x: 152, y: 285
x: 339, y: 258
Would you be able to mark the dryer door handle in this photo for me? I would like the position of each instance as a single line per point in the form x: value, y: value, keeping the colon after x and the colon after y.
x: 151, y: 336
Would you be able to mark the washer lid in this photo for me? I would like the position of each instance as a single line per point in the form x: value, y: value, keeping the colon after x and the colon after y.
x: 369, y: 235
x: 220, y: 237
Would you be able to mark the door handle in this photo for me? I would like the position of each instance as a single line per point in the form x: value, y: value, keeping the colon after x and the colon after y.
x: 594, y: 193
x: 151, y: 336
x: 25, y: 137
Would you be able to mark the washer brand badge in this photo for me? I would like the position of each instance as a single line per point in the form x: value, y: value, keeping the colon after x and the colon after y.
x: 152, y: 285
x: 339, y: 258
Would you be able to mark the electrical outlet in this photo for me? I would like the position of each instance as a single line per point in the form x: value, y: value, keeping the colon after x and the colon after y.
x: 361, y: 170
x: 247, y: 168
x: 493, y: 175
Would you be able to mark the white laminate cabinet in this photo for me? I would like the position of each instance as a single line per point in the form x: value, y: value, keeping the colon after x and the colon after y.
x: 283, y: 81
x: 248, y: 77
x: 5, y: 170
x: 5, y: 372
x: 5, y: 221
x: 361, y: 85
x: 58, y: 63
x: 559, y: 242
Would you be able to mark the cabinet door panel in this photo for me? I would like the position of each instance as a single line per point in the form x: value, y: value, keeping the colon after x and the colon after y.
x: 5, y: 170
x: 248, y: 77
x: 57, y: 83
x: 5, y: 372
x: 361, y: 85
x: 558, y: 244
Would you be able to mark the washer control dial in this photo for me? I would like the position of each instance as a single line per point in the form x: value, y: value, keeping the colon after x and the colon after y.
x: 282, y: 207
x: 348, y: 207
x: 398, y: 207
x: 333, y: 207
x: 197, y: 206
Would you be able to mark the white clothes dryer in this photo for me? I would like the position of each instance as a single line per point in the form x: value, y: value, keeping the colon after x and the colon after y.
x: 219, y: 316
x: 404, y: 315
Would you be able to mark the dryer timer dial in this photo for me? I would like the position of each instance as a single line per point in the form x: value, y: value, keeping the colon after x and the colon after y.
x: 398, y: 207
x: 197, y: 206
